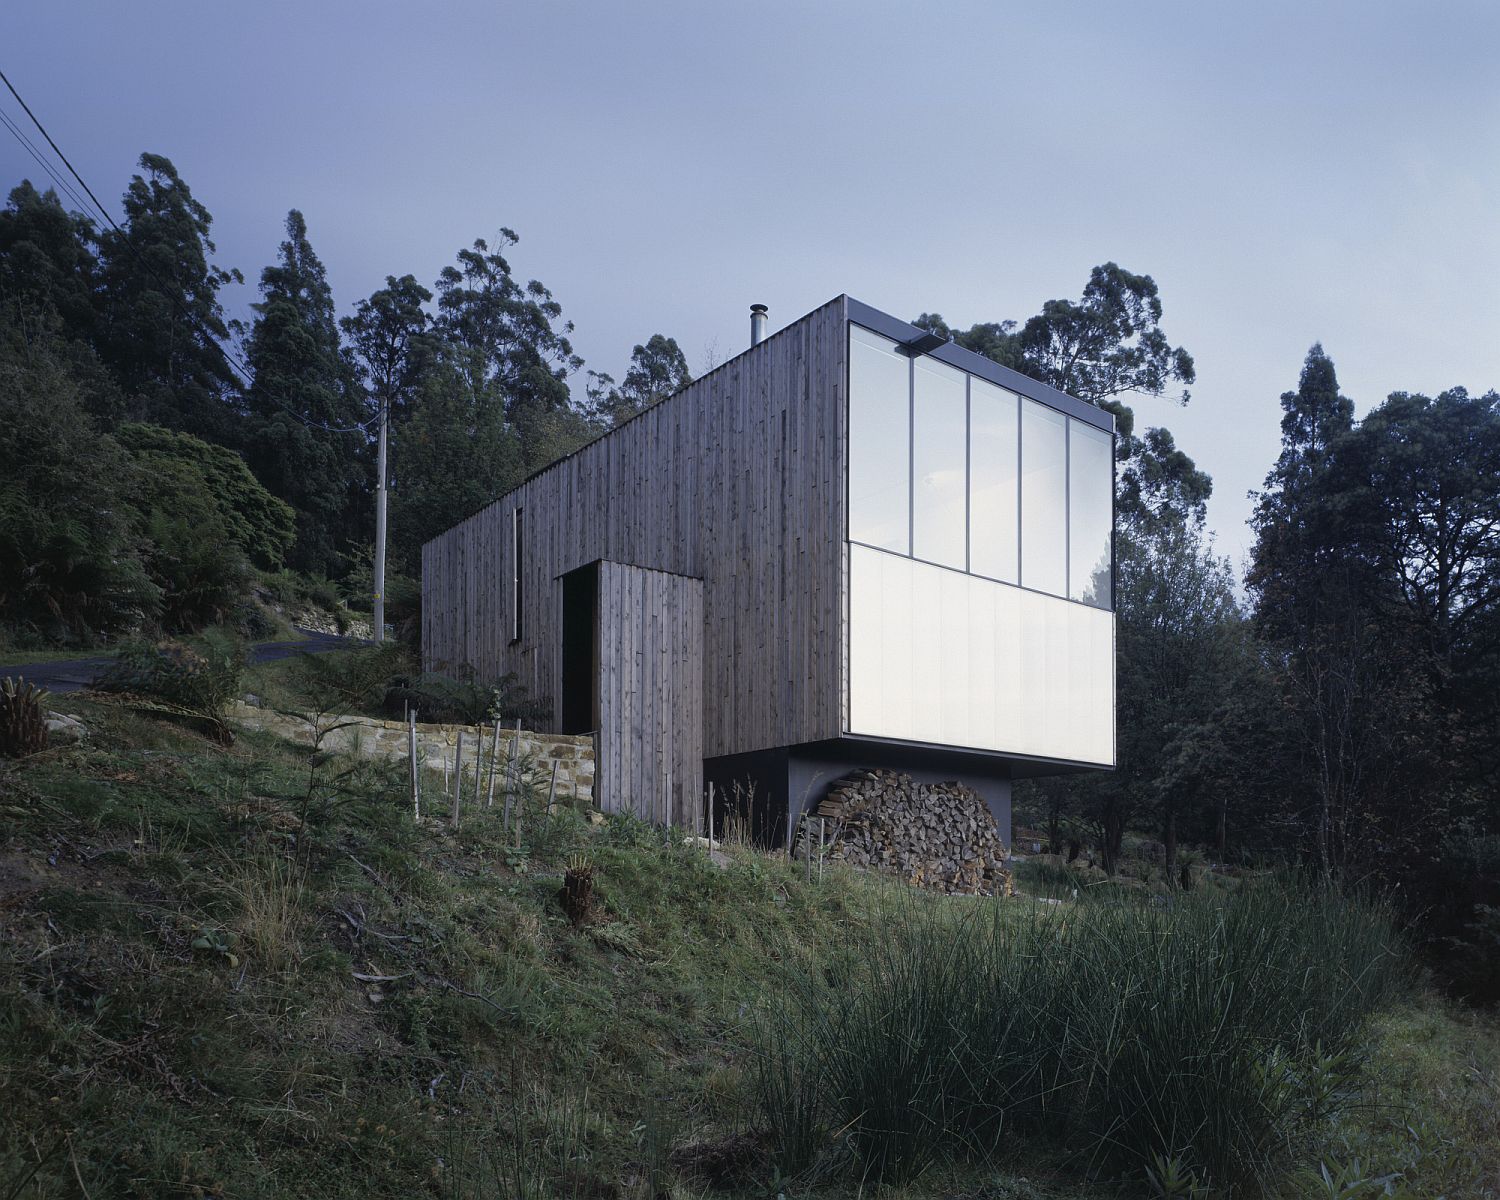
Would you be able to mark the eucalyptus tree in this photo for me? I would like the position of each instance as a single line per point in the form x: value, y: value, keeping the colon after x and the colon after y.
x: 1102, y: 348
x: 161, y: 326
x: 657, y: 369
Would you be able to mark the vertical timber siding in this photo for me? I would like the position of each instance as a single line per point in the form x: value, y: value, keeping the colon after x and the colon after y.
x: 650, y: 739
x: 738, y: 480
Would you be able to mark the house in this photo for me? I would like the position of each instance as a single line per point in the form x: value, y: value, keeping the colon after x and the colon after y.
x: 853, y: 545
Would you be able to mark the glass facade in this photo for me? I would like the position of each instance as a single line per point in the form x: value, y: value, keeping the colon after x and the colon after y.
x: 1044, y: 499
x: 879, y: 442
x: 994, y: 482
x: 939, y: 494
x: 1090, y: 515
x: 950, y: 469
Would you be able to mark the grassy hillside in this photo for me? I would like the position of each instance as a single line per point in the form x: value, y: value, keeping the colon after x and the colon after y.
x: 235, y: 972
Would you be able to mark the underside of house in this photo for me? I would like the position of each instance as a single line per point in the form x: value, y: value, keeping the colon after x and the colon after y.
x: 853, y: 545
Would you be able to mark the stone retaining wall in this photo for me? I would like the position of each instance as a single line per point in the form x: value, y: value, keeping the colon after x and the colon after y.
x: 436, y: 744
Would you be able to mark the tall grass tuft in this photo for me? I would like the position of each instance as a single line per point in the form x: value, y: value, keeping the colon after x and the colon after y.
x: 1131, y: 1033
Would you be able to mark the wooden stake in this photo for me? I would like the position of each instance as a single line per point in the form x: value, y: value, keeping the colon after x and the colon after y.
x: 416, y: 778
x: 710, y: 818
x: 478, y: 762
x: 552, y: 788
x: 458, y: 777
x: 494, y: 754
x: 822, y: 829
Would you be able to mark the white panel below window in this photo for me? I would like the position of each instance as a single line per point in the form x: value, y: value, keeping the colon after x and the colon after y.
x: 943, y: 657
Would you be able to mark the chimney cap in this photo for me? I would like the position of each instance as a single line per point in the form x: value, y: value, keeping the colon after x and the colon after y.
x: 759, y: 308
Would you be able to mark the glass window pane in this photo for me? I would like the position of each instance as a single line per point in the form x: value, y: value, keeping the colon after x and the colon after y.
x: 1090, y: 515
x: 994, y: 522
x: 1044, y: 498
x: 879, y: 442
x: 938, y: 448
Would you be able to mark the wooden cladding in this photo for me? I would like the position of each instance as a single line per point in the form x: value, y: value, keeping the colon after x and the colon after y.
x: 650, y: 689
x: 737, y: 480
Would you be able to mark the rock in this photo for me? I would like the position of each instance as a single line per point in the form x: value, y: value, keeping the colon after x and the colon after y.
x: 63, y: 728
x: 251, y: 699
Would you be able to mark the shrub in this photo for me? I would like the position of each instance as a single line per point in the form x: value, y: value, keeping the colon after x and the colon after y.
x: 352, y: 681
x: 1460, y: 896
x: 23, y: 719
x: 184, y: 476
x: 201, y: 674
x: 440, y: 699
x: 295, y: 590
x: 202, y: 577
x: 1133, y: 1034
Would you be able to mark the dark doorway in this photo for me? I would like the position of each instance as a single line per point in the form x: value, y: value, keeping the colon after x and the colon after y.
x: 580, y: 650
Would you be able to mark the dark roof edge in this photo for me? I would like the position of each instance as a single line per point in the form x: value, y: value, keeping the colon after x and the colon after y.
x: 976, y: 364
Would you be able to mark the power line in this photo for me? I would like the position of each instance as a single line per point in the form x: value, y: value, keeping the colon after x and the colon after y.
x: 56, y: 149
x: 232, y: 359
x: 60, y: 183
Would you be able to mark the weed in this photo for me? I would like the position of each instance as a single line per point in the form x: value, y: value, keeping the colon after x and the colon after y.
x: 270, y: 896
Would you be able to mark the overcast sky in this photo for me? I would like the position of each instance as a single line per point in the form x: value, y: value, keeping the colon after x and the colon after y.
x: 1288, y: 172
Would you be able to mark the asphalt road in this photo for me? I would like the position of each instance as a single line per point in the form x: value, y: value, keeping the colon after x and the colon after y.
x: 78, y: 673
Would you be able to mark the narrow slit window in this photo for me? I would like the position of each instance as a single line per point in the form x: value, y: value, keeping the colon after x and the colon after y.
x: 517, y: 596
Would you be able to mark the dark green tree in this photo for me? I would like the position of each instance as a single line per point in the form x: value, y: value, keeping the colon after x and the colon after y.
x: 1102, y: 348
x: 996, y: 340
x: 1416, y: 487
x: 388, y: 335
x: 69, y: 563
x: 513, y: 335
x: 514, y: 327
x: 1423, y: 479
x: 47, y: 265
x: 1298, y: 551
x: 457, y: 453
x: 307, y: 409
x: 180, y: 475
x: 161, y: 325
x: 657, y: 369
x: 1351, y: 530
x: 1178, y: 633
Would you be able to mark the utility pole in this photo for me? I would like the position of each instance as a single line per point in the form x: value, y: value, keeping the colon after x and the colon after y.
x: 377, y: 617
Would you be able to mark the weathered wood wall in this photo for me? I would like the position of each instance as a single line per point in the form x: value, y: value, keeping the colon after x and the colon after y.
x: 650, y: 740
x: 738, y: 479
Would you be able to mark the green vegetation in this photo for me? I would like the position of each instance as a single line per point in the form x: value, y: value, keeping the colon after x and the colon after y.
x: 386, y: 681
x: 185, y: 925
x: 1199, y: 1033
x: 248, y: 971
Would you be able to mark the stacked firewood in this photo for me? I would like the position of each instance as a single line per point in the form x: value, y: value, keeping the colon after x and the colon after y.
x: 934, y: 835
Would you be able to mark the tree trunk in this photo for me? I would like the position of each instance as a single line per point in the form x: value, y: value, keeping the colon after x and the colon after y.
x: 1113, y: 829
